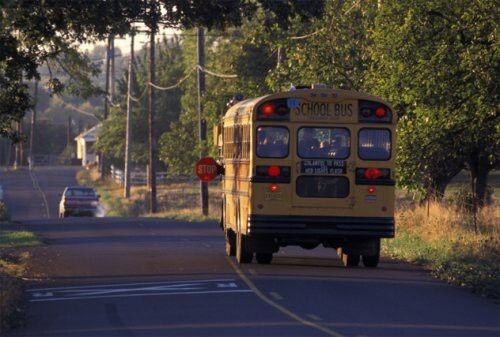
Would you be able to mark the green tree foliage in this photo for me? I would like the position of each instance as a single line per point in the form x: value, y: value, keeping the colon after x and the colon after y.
x: 32, y: 32
x: 170, y: 69
x: 438, y: 63
x: 331, y: 49
x: 228, y: 52
x: 248, y: 51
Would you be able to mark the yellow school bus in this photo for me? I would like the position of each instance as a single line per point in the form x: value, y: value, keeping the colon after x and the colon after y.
x: 308, y: 167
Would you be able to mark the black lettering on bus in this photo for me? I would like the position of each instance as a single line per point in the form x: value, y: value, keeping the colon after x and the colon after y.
x: 343, y: 110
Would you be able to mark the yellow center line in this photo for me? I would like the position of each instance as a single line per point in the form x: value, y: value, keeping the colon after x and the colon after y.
x: 314, y: 317
x: 36, y: 185
x: 276, y: 296
x: 281, y: 308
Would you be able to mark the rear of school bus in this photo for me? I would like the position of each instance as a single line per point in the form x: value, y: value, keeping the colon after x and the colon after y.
x: 322, y: 173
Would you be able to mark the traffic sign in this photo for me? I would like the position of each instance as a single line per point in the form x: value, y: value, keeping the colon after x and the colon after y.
x: 207, y: 169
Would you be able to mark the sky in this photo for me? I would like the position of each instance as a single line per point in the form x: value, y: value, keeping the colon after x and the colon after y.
x: 124, y: 43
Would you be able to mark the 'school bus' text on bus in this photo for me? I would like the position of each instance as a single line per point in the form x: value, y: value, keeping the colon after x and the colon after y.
x: 308, y: 167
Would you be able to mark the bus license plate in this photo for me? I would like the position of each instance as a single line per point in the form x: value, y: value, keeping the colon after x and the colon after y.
x: 273, y: 196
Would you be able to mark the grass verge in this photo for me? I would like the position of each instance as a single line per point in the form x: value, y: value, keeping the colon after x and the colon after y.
x: 12, y: 267
x: 444, y: 239
x: 18, y: 238
x: 110, y: 192
x: 178, y: 199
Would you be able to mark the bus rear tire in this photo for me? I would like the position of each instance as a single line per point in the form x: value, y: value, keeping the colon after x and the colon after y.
x: 371, y: 261
x: 348, y: 260
x: 242, y: 253
x: 264, y: 258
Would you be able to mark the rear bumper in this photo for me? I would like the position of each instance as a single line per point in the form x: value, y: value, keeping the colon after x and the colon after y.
x: 81, y: 210
x: 320, y: 226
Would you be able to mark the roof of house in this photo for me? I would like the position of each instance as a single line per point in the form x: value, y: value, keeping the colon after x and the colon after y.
x: 90, y: 135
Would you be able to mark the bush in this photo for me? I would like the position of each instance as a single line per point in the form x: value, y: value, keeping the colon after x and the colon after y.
x: 11, y: 302
x: 463, y: 198
x: 4, y: 212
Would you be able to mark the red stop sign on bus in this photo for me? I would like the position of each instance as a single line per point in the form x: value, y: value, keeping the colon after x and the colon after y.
x: 207, y: 169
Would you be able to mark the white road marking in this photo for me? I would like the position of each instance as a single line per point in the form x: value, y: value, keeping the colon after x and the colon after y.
x: 227, y: 285
x: 194, y: 287
x: 126, y: 284
x: 48, y: 294
x: 142, y: 295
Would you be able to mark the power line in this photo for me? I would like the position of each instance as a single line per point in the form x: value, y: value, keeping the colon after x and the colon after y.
x: 215, y: 74
x: 175, y: 85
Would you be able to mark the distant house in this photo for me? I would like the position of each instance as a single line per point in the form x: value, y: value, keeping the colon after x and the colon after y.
x: 84, y: 146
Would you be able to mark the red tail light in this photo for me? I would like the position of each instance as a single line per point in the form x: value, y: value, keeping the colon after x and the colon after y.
x: 372, y: 173
x: 274, y: 171
x: 373, y: 176
x: 272, y: 174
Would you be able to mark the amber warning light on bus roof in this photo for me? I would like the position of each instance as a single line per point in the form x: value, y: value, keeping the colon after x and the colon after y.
x: 207, y: 169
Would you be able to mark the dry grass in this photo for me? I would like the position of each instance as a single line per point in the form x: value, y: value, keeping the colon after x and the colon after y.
x: 453, y: 245
x: 12, y: 267
x: 179, y: 198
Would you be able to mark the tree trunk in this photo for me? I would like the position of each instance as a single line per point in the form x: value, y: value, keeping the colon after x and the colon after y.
x: 483, y: 170
x: 479, y: 167
x: 440, y: 180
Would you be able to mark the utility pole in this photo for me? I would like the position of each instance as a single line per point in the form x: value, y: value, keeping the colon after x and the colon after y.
x: 151, y: 116
x: 68, y: 132
x: 202, y: 123
x: 112, y: 71
x: 106, y: 85
x: 126, y: 178
x: 102, y: 160
x: 18, y: 158
x: 33, y: 124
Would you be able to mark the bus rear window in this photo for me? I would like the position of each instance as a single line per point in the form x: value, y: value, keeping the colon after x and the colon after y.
x: 374, y: 144
x: 272, y: 142
x: 329, y: 143
x: 322, y: 187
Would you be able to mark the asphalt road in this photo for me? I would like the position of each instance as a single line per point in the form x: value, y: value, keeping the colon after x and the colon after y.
x: 155, y: 277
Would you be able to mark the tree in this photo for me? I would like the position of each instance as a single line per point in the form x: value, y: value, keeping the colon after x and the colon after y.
x: 438, y: 62
x: 237, y: 51
x: 170, y: 69
x: 32, y: 32
x: 331, y: 49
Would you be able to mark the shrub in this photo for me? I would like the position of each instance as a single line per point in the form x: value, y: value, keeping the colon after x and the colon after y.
x: 4, y: 212
x: 463, y: 198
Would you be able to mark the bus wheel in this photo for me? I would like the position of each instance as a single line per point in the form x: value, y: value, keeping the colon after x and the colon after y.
x: 348, y: 260
x: 372, y: 260
x: 230, y: 243
x: 242, y: 253
x: 264, y: 258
